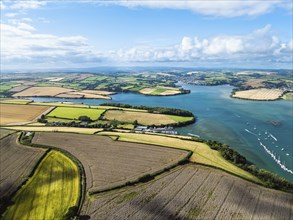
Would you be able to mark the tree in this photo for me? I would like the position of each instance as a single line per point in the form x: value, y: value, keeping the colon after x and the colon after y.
x: 71, y: 213
x: 85, y: 118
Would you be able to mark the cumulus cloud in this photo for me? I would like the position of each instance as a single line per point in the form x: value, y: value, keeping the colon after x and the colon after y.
x: 260, y: 45
x: 22, y: 46
x: 25, y: 47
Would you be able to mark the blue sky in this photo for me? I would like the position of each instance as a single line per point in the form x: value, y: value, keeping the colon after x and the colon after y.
x: 234, y: 33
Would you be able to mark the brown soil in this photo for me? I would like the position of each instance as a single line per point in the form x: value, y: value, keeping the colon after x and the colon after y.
x: 16, y: 163
x: 109, y: 163
x: 192, y: 192
x: 11, y: 114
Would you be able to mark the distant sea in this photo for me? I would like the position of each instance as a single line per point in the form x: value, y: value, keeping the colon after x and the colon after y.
x: 245, y: 126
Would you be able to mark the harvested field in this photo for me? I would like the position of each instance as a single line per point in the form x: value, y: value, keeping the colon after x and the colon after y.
x: 203, y: 154
x: 69, y: 95
x: 255, y: 83
x: 14, y: 114
x: 5, y: 132
x: 18, y: 88
x: 85, y: 95
x: 51, y: 191
x: 42, y: 91
x: 17, y: 162
x: 16, y: 101
x: 192, y: 192
x: 75, y: 113
x: 141, y: 117
x: 98, y: 92
x: 56, y: 129
x: 259, y: 94
x: 61, y: 104
x: 109, y: 163
x: 160, y: 90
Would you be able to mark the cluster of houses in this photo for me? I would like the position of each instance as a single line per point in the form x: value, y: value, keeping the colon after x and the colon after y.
x: 163, y: 130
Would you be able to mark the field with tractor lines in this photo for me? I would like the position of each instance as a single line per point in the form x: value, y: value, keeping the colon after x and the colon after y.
x: 41, y: 91
x: 16, y: 163
x: 109, y: 163
x: 51, y: 191
x: 192, y: 192
x: 12, y: 114
x: 202, y: 153
x: 144, y: 118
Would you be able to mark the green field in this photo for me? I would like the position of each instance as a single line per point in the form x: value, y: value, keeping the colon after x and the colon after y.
x: 74, y: 113
x: 288, y: 96
x: 180, y: 118
x: 5, y: 88
x: 52, y: 190
x: 158, y: 91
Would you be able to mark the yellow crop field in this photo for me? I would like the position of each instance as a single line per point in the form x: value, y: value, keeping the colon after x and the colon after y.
x: 259, y: 94
x: 141, y: 117
x: 41, y: 91
x: 52, y: 190
x: 202, y: 153
x: 16, y: 101
x: 160, y: 90
x: 14, y: 114
x: 56, y: 129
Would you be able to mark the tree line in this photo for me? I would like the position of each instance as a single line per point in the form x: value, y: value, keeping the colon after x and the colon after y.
x: 159, y: 110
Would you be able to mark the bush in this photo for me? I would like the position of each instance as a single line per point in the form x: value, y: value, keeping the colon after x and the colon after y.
x: 71, y: 213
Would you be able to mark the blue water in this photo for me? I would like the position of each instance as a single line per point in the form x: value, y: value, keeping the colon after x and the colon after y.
x: 244, y: 125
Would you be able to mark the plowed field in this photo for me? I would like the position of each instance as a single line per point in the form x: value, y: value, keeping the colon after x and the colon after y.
x: 109, y: 163
x: 16, y: 163
x: 192, y: 192
x: 51, y: 191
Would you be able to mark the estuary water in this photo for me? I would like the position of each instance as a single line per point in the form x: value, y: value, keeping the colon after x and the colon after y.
x: 246, y: 126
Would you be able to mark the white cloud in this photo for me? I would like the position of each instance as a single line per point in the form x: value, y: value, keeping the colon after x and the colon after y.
x: 21, y: 47
x: 22, y: 4
x: 222, y: 8
x: 10, y: 15
x: 24, y: 26
x: 260, y: 45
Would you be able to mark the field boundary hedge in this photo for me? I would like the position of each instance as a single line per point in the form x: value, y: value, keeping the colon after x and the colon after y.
x: 82, y: 176
x: 6, y: 202
x: 146, y: 177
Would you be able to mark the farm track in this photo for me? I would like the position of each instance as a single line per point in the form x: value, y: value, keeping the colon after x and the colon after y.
x: 109, y: 163
x: 17, y: 162
x: 192, y: 192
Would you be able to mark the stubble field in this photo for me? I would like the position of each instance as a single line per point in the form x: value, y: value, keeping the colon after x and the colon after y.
x: 259, y: 94
x: 143, y: 117
x: 16, y: 163
x: 12, y: 114
x: 192, y: 192
x: 41, y: 91
x: 51, y: 191
x: 109, y: 163
x: 202, y: 153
